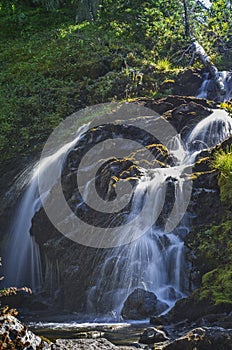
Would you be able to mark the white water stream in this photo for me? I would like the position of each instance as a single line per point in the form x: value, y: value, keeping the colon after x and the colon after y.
x: 155, y: 262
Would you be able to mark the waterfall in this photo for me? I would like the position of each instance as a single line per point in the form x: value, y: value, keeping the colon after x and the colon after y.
x: 52, y: 276
x: 154, y: 262
x: 22, y: 263
x: 210, y: 131
x: 208, y: 89
x: 22, y: 266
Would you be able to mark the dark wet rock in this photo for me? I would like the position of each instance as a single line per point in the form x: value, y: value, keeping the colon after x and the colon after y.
x: 172, y: 294
x: 171, y: 102
x: 205, y: 338
x: 192, y: 309
x: 141, y: 304
x: 152, y: 335
x: 182, y: 112
x: 159, y: 320
x: 205, y: 195
x: 223, y: 320
x: 188, y: 82
x: 80, y: 266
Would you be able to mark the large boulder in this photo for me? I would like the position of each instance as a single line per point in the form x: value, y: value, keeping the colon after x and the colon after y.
x: 141, y: 304
x: 14, y: 335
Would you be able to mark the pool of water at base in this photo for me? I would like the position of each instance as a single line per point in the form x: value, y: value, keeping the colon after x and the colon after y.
x: 123, y: 333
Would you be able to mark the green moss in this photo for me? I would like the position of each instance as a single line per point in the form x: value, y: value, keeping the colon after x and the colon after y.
x: 213, y: 245
x: 217, y: 286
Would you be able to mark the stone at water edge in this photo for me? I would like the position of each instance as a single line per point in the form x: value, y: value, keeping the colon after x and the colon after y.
x: 14, y: 335
x: 206, y: 338
x: 152, y: 335
x: 88, y: 344
x: 142, y: 304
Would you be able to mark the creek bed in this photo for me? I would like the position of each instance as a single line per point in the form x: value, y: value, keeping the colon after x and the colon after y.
x: 126, y: 333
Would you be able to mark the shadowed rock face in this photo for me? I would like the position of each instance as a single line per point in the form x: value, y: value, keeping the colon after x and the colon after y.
x: 79, y: 266
x: 203, y: 339
x: 140, y: 304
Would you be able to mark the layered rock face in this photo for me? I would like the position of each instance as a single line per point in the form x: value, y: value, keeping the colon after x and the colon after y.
x: 78, y: 266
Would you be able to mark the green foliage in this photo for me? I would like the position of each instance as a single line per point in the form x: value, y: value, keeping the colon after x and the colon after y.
x: 53, y: 66
x: 213, y: 245
x: 227, y: 106
x: 163, y: 65
x: 214, y: 32
x: 217, y: 286
x: 157, y: 24
x: 223, y: 163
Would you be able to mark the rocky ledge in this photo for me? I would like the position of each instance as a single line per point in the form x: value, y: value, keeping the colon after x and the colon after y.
x: 183, y: 113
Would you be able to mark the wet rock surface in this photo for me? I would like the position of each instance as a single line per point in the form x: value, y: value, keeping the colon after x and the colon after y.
x: 140, y: 304
x: 204, y: 338
x: 193, y: 310
x: 70, y: 263
x: 152, y: 335
x: 75, y: 260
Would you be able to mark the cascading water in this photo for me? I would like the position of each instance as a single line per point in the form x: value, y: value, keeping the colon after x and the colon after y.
x: 210, y: 131
x: 22, y: 265
x: 156, y: 261
x: 208, y: 89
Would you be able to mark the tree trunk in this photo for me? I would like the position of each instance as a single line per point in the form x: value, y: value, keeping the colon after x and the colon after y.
x: 186, y: 19
x: 200, y: 52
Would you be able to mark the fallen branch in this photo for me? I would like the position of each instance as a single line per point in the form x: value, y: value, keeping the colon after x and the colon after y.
x: 200, y: 52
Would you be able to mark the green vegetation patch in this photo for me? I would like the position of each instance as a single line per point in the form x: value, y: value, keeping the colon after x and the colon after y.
x: 217, y: 286
x: 58, y: 57
x: 223, y: 163
x: 213, y: 246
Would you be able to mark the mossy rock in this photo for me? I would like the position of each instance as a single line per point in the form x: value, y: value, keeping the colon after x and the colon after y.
x: 217, y: 286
